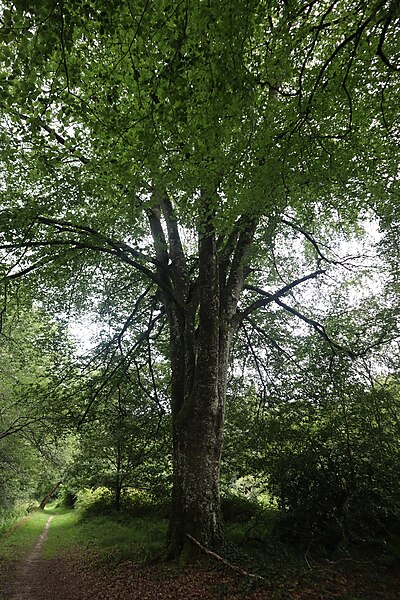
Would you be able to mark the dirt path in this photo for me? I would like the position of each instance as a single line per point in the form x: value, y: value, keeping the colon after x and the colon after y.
x: 23, y: 586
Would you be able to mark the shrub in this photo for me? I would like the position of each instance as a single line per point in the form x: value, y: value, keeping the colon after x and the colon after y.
x: 137, y: 503
x: 18, y: 511
x: 237, y: 508
x: 94, y: 502
x: 335, y: 483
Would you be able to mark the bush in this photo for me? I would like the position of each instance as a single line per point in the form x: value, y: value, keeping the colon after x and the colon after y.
x: 8, y: 517
x: 94, y: 502
x: 137, y: 503
x: 334, y: 483
x: 237, y: 508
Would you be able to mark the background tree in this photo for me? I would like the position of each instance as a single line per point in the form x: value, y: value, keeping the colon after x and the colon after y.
x: 33, y: 451
x: 121, y: 441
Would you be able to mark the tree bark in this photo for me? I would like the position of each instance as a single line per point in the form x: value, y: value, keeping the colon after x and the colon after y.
x: 49, y: 495
x: 198, y: 424
x: 196, y: 493
x: 202, y: 321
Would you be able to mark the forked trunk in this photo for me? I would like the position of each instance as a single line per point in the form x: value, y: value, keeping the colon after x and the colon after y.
x: 201, y: 313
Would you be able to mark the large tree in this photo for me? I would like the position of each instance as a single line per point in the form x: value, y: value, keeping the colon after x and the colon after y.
x: 168, y: 144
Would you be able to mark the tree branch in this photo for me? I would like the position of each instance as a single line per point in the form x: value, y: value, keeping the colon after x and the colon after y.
x: 140, y: 339
x: 17, y: 426
x: 177, y: 255
x: 234, y: 283
x: 382, y: 38
x: 223, y: 560
x: 121, y: 250
x: 268, y: 297
x: 320, y: 329
x: 116, y: 245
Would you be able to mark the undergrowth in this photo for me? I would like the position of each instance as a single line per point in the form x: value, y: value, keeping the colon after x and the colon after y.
x: 109, y: 538
x: 8, y: 517
x: 136, y: 503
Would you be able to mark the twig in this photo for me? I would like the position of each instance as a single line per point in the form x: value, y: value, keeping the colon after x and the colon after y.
x: 223, y: 560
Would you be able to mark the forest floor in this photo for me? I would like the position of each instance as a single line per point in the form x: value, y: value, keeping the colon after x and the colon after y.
x: 50, y: 556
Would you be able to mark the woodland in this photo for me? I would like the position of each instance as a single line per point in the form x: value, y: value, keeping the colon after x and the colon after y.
x: 199, y: 265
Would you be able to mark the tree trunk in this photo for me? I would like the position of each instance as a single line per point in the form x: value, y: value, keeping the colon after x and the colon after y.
x: 196, y: 494
x: 197, y: 449
x: 49, y: 495
x: 118, y: 490
x: 201, y: 314
x: 198, y: 420
x: 118, y: 479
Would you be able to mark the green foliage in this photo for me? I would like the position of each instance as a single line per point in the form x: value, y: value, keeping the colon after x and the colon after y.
x: 124, y: 442
x: 321, y: 435
x: 101, y: 501
x: 9, y: 515
x: 19, y: 474
x: 33, y: 452
x: 120, y: 99
x: 238, y: 508
x: 95, y: 502
x: 334, y: 469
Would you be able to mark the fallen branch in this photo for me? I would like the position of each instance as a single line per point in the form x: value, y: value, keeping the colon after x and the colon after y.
x: 223, y: 560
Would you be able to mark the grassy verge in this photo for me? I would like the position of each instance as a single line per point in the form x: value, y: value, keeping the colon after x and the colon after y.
x: 17, y: 541
x: 112, y: 538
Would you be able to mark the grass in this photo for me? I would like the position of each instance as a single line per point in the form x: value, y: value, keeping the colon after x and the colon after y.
x: 18, y: 541
x: 112, y: 538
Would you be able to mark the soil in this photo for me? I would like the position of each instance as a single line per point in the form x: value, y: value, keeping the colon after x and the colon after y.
x: 26, y: 578
x: 72, y: 579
